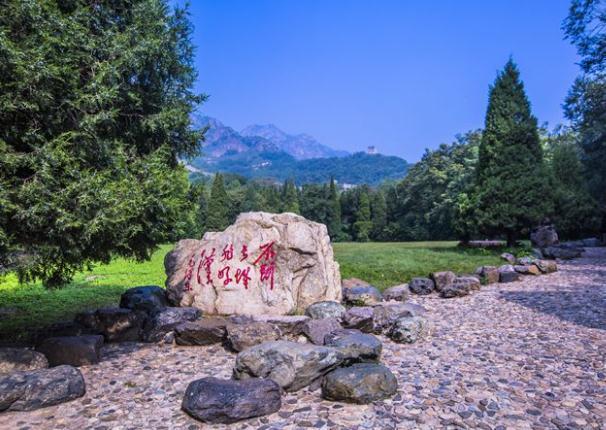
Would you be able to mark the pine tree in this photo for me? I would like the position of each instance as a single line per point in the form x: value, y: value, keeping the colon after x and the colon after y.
x: 252, y: 200
x: 217, y: 218
x: 290, y: 197
x: 202, y: 213
x: 334, y: 211
x: 512, y: 183
x: 363, y: 225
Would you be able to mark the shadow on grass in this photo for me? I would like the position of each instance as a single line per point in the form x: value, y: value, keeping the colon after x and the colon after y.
x: 585, y: 306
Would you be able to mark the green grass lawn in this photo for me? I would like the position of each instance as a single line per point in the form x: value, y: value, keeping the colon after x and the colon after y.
x: 24, y: 308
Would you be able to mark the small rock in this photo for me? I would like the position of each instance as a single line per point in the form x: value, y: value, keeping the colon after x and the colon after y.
x: 546, y: 266
x: 326, y: 309
x: 149, y: 298
x: 508, y: 274
x: 399, y: 293
x: 214, y: 400
x: 317, y: 329
x: 166, y: 320
x: 289, y: 325
x: 470, y: 282
x: 443, y: 280
x: 422, y: 286
x: 510, y: 258
x: 116, y: 324
x: 243, y: 336
x: 21, y: 359
x: 361, y: 295
x: 206, y: 331
x: 359, y: 317
x: 409, y: 330
x: 384, y: 315
x: 27, y: 391
x: 527, y: 270
x: 360, y: 383
x: 355, y: 345
x: 488, y: 274
x: 292, y: 365
x: 72, y: 350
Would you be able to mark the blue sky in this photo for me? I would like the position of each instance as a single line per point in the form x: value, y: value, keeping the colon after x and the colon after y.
x: 400, y: 75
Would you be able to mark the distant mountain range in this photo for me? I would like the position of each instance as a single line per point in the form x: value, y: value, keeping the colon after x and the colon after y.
x: 265, y: 151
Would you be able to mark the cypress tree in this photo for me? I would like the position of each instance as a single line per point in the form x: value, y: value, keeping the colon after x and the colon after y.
x: 95, y: 105
x: 334, y: 211
x: 217, y: 219
x: 512, y: 184
x: 290, y: 197
x: 363, y: 225
x: 379, y: 215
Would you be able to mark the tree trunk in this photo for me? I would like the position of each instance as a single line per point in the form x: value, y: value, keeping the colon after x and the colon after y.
x: 511, y: 239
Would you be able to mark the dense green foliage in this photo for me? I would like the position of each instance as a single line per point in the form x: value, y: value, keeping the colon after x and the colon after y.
x: 585, y: 106
x: 95, y: 104
x: 380, y: 263
x: 512, y: 193
x: 359, y: 168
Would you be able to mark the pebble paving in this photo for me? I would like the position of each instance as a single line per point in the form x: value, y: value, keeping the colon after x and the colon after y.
x: 525, y: 355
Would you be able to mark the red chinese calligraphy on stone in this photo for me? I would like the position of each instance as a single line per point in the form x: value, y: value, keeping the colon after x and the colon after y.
x: 189, y: 273
x: 200, y: 265
x: 224, y: 273
x: 268, y: 265
x: 208, y: 261
x: 228, y: 252
x: 244, y: 253
x: 267, y: 273
x: 267, y: 253
x: 243, y: 275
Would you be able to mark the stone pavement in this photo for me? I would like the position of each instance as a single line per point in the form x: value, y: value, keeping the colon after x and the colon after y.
x: 524, y: 355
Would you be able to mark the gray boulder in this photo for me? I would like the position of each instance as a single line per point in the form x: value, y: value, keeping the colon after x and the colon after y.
x: 326, y: 309
x: 510, y: 258
x: 455, y: 291
x: 488, y: 274
x: 166, y: 320
x: 422, y: 286
x: 355, y: 345
x: 360, y: 383
x: 26, y: 391
x: 225, y: 401
x: 386, y: 314
x: 72, y: 350
x: 21, y: 359
x: 470, y: 282
x: 530, y: 269
x: 316, y: 330
x: 508, y: 274
x: 409, y: 330
x: 526, y: 261
x: 115, y: 324
x: 562, y: 252
x: 206, y: 331
x: 546, y: 266
x: 359, y: 317
x: 289, y: 325
x: 291, y: 365
x: 243, y: 336
x: 361, y: 295
x: 148, y: 298
x: 399, y: 293
x: 544, y: 236
x: 443, y: 280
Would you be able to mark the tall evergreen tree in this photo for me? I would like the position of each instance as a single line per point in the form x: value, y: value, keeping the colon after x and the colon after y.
x: 334, y: 211
x: 379, y: 215
x: 512, y: 187
x: 363, y: 224
x: 95, y: 104
x: 218, y: 206
x: 202, y: 209
x: 586, y: 103
x: 290, y: 197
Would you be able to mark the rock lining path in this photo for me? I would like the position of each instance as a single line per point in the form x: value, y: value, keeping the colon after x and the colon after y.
x: 525, y: 355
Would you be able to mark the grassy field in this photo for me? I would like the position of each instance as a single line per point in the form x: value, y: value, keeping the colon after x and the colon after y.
x: 30, y: 306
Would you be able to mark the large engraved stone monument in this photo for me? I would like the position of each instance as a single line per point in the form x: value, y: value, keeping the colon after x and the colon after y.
x: 264, y: 263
